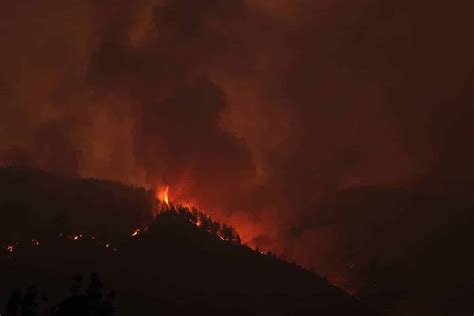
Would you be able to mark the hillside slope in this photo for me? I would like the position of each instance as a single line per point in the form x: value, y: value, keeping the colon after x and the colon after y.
x: 405, y: 250
x: 35, y: 202
x: 177, y: 268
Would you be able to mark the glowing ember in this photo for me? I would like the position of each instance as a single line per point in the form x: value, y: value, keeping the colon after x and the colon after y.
x: 163, y: 195
x: 76, y: 237
x: 136, y: 232
x: 10, y: 248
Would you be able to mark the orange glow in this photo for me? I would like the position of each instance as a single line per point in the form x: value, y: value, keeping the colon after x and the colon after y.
x: 76, y: 237
x: 136, y: 232
x: 163, y: 195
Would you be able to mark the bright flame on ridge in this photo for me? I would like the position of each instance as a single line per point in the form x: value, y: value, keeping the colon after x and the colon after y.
x: 163, y: 195
x: 136, y: 232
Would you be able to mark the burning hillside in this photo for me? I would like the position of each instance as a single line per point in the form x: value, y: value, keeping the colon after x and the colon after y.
x: 157, y: 257
x: 163, y: 205
x: 130, y: 211
x: 46, y: 214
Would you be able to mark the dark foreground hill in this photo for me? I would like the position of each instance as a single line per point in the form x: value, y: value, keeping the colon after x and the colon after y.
x: 54, y: 229
x: 176, y: 268
x: 406, y: 250
x: 408, y: 253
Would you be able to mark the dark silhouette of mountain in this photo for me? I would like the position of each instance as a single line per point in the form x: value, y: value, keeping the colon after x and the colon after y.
x: 434, y: 279
x: 406, y: 250
x: 177, y: 268
x: 183, y: 263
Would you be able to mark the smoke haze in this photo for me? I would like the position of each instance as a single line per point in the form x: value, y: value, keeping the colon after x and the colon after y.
x: 260, y: 111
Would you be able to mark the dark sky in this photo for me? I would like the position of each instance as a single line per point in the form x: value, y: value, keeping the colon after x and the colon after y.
x: 257, y: 110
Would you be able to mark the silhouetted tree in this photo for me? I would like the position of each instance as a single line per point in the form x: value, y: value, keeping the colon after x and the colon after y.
x: 76, y: 287
x: 29, y: 304
x: 182, y: 211
x: 44, y: 304
x: 214, y: 227
x: 229, y: 233
x: 226, y: 232
x: 107, y: 306
x: 194, y: 214
x: 13, y: 304
x: 204, y: 221
x: 94, y: 293
x: 90, y: 304
x: 75, y: 305
x: 235, y: 236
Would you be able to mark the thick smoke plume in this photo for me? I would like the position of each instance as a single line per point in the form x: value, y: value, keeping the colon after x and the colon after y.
x: 260, y: 111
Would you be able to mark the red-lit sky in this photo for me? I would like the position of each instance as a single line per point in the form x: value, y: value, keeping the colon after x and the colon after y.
x: 257, y: 110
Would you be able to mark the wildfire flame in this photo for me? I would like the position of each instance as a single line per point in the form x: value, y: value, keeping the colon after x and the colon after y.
x: 163, y: 195
x: 195, y: 217
x: 76, y: 237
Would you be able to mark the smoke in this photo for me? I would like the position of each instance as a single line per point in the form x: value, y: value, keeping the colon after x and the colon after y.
x: 256, y: 110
